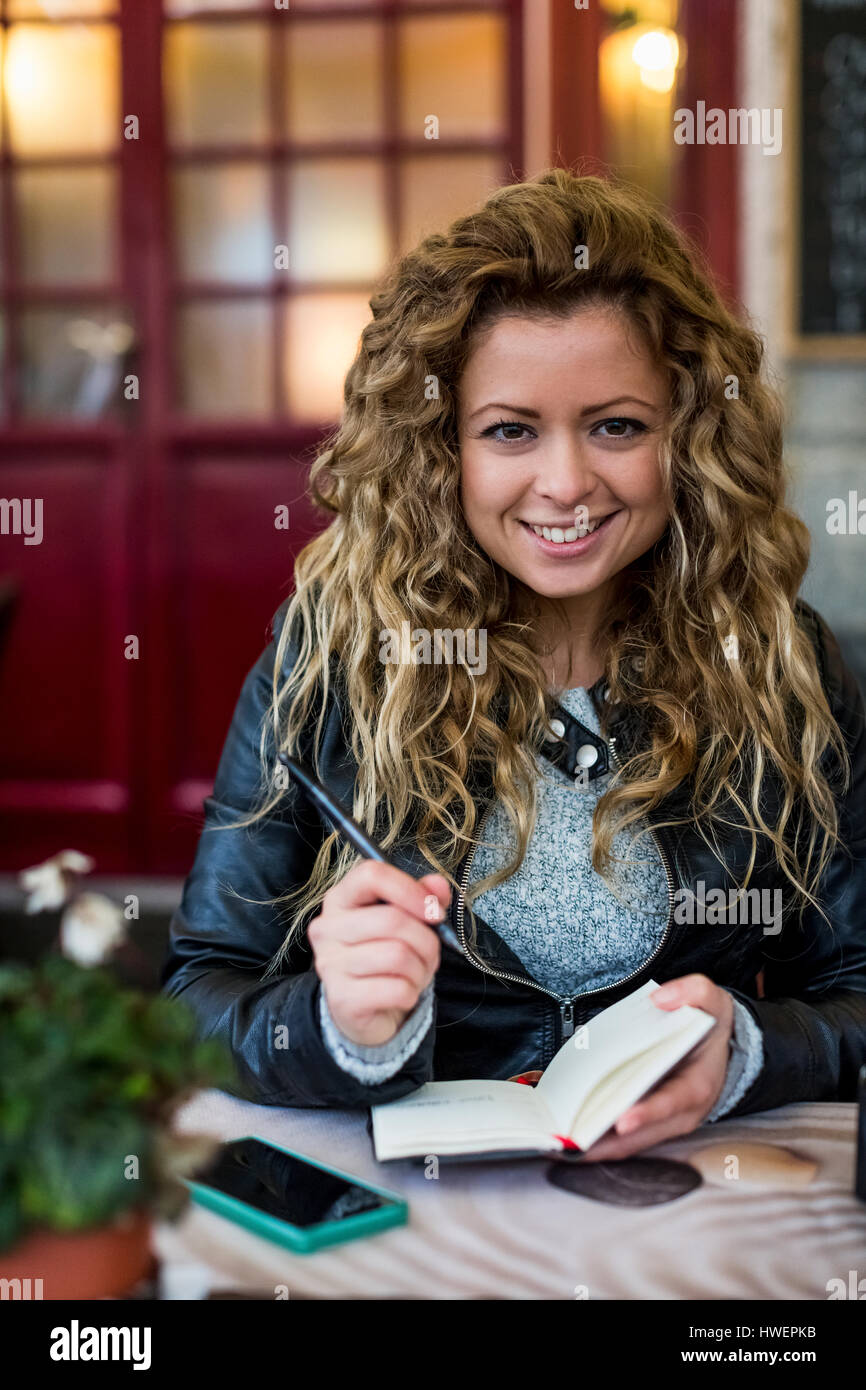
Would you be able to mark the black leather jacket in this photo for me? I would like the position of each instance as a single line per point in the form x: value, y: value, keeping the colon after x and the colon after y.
x: 491, y: 1019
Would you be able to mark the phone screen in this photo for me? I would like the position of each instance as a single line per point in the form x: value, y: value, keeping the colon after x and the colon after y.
x: 284, y: 1186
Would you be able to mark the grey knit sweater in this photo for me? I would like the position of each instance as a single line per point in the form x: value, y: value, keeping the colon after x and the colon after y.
x: 559, y: 917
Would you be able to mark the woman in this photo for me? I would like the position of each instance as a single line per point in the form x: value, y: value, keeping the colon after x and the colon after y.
x: 551, y: 653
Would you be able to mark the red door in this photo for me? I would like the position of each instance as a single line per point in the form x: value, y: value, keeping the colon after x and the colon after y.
x: 196, y: 202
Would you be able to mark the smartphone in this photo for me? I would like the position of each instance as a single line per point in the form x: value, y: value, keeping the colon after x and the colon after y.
x: 290, y: 1199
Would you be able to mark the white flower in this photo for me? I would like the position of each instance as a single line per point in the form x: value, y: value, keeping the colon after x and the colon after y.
x: 90, y: 929
x: 50, y: 883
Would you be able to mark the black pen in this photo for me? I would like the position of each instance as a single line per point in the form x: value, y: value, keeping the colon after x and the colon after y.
x: 345, y: 824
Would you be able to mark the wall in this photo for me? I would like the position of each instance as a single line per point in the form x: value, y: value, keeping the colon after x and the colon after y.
x: 825, y: 400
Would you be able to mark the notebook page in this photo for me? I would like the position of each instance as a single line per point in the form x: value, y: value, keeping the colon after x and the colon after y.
x: 463, y: 1114
x: 617, y: 1093
x: 613, y: 1037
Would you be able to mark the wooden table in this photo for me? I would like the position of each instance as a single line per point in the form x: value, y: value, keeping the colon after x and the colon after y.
x: 502, y: 1231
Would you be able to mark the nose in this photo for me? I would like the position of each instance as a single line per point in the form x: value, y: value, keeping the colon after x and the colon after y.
x: 565, y: 476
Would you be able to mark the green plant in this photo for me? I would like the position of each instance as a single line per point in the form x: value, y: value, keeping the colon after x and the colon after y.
x: 90, y: 1075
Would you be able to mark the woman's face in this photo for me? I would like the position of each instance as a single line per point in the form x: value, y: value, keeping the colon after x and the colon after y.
x: 559, y: 427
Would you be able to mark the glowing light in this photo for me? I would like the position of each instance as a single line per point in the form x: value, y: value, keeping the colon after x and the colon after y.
x: 656, y: 53
x: 62, y: 88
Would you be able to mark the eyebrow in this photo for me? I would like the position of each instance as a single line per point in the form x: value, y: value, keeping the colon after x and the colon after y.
x: 587, y: 410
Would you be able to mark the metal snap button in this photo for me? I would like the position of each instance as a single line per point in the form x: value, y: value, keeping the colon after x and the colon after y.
x: 587, y: 755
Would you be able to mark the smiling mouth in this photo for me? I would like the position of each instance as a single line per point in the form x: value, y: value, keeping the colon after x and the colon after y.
x: 560, y: 535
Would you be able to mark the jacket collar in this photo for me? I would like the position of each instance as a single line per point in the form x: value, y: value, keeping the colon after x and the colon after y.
x: 575, y: 748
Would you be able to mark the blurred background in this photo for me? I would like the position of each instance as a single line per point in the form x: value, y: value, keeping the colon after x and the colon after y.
x: 195, y: 202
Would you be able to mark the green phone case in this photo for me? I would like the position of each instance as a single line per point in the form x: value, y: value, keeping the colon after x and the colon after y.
x: 303, y: 1239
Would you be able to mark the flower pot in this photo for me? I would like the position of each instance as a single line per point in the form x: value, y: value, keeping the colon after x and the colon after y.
x: 103, y: 1262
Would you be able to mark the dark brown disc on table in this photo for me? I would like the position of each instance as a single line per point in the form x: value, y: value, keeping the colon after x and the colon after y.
x: 630, y: 1182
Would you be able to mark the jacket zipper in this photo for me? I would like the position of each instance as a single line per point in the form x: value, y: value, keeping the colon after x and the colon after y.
x: 566, y: 1006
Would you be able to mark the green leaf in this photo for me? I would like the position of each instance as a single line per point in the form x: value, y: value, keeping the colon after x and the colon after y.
x: 86, y: 1070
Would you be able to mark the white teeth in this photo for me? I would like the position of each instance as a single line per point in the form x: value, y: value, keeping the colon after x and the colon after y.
x: 560, y: 537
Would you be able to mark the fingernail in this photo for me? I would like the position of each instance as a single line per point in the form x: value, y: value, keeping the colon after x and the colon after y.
x: 627, y: 1123
x: 433, y: 910
x: 665, y: 995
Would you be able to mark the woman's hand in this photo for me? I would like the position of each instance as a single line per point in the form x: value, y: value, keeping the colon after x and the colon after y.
x: 373, y: 947
x: 687, y: 1094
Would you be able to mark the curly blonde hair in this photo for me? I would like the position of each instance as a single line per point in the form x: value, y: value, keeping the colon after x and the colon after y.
x: 398, y: 548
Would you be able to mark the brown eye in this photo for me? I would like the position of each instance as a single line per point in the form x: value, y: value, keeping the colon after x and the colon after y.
x: 620, y: 427
x: 492, y: 432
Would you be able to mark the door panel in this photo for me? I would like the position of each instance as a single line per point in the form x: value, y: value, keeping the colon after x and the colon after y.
x: 64, y: 675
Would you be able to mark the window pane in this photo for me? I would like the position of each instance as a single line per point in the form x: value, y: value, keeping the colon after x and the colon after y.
x: 334, y: 85
x: 73, y: 360
x: 59, y: 9
x: 436, y: 188
x: 62, y: 88
x: 216, y: 83
x: 336, y: 219
x: 65, y: 225
x: 185, y: 7
x: 224, y: 359
x: 452, y: 67
x: 223, y: 224
x: 322, y: 333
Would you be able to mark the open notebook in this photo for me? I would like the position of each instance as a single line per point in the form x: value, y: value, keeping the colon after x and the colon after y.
x: 594, y: 1078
